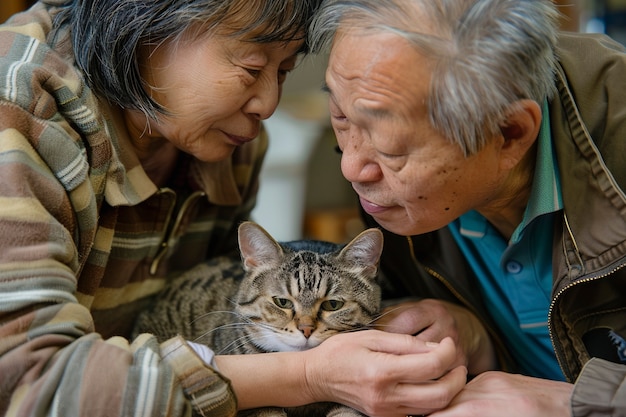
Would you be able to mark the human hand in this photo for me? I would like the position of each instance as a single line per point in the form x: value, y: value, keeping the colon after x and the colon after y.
x: 495, y: 394
x: 383, y: 374
x: 432, y: 320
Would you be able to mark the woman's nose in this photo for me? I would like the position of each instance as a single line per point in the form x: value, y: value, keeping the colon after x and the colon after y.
x: 264, y: 102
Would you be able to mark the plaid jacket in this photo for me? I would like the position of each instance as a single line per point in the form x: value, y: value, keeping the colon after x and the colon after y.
x: 85, y: 237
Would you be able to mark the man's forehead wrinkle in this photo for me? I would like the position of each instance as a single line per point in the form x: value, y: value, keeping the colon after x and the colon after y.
x: 374, y: 94
x: 370, y: 86
x: 375, y: 81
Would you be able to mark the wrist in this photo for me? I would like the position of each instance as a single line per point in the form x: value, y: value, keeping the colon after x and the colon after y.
x: 249, y: 376
x: 210, y: 393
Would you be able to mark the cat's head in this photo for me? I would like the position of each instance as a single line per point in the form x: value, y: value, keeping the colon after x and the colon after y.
x: 297, y: 294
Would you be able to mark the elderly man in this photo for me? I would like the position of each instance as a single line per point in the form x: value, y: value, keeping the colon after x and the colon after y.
x: 491, y: 149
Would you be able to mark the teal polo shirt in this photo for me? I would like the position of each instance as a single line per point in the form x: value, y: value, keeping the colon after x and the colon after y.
x: 516, y: 276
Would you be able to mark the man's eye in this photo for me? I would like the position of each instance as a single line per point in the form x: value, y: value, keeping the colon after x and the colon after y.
x: 339, y: 118
x: 392, y: 161
x: 390, y: 155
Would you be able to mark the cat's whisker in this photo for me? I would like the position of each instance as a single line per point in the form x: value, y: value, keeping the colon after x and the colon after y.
x: 209, y: 313
x: 376, y: 326
x: 355, y: 329
x: 244, y: 340
x: 235, y: 345
x: 389, y: 311
x: 245, y: 322
x: 226, y: 326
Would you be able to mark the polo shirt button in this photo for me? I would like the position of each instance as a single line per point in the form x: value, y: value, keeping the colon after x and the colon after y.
x: 513, y: 267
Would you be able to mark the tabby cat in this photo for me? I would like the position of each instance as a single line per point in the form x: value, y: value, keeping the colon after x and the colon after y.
x: 292, y: 296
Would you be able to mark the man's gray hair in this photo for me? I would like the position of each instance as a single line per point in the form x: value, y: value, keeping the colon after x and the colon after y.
x: 107, y: 35
x: 487, y: 54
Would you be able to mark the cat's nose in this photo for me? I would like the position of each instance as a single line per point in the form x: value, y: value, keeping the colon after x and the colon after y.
x: 306, y: 330
x: 306, y: 326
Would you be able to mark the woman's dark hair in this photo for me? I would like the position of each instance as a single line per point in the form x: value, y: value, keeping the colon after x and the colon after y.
x: 107, y: 35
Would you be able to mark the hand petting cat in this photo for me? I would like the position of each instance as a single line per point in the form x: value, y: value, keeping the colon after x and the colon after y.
x: 378, y: 373
x: 433, y: 320
x: 398, y: 374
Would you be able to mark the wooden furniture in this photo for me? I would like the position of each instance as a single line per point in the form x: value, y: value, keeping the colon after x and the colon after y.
x: 10, y: 7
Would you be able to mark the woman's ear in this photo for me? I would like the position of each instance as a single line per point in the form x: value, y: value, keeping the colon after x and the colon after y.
x: 519, y: 131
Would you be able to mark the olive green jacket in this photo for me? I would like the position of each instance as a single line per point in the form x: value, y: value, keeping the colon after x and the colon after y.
x: 588, y: 127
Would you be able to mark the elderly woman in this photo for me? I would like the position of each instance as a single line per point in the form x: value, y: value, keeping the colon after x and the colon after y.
x: 131, y: 143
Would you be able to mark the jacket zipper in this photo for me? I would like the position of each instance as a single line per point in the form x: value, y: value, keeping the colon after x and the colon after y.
x: 558, y: 349
x: 494, y: 336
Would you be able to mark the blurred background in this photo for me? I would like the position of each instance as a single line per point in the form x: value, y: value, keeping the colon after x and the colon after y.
x: 303, y: 194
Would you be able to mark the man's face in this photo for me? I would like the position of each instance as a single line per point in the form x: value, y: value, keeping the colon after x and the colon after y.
x: 409, y: 178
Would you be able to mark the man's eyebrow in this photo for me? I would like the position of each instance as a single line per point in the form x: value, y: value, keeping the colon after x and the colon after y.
x: 376, y: 112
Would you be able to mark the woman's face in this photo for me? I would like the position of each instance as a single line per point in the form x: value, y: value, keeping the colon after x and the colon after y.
x: 216, y: 89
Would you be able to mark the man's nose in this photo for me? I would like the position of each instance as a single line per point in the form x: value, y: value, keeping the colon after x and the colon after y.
x: 358, y: 164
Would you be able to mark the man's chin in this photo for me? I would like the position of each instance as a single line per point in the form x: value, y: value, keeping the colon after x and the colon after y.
x: 400, y: 227
x: 393, y: 226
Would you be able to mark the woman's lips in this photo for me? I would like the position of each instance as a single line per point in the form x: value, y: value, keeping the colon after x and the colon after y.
x: 370, y: 207
x: 239, y: 140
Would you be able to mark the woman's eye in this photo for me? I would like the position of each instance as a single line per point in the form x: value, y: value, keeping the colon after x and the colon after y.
x: 283, y: 302
x: 332, y: 305
x: 254, y: 72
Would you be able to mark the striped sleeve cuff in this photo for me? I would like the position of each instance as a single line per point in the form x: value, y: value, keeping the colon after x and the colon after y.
x: 210, y: 393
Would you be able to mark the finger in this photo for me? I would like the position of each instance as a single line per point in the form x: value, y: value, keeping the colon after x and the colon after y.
x: 404, y: 319
x: 411, y: 367
x: 435, y: 334
x: 397, y: 344
x: 431, y: 396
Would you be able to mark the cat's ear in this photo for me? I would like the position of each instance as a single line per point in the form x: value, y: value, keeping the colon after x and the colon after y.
x: 365, y: 250
x: 257, y: 247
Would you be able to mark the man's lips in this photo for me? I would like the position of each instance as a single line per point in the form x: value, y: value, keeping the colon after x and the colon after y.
x: 371, y: 208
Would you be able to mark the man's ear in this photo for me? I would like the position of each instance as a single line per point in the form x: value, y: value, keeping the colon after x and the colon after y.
x: 519, y: 131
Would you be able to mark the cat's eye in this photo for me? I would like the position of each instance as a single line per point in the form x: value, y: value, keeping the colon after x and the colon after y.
x: 332, y: 305
x: 283, y: 302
